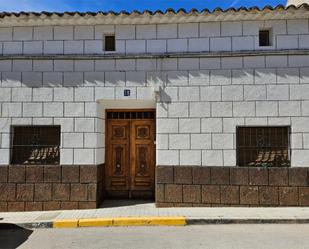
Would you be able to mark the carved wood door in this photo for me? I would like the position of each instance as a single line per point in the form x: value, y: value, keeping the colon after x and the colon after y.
x: 130, y: 158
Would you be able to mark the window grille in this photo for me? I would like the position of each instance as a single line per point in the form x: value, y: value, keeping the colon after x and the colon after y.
x: 263, y: 146
x: 130, y: 114
x: 35, y: 145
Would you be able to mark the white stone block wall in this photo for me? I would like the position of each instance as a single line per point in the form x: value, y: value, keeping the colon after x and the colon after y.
x: 197, y: 126
x: 202, y: 99
x: 160, y: 38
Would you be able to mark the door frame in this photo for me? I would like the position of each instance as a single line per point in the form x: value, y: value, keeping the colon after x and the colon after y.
x: 130, y: 119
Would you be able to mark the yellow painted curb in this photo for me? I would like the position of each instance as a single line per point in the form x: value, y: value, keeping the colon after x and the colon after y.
x: 150, y: 221
x: 65, y: 223
x: 121, y: 221
x: 100, y: 222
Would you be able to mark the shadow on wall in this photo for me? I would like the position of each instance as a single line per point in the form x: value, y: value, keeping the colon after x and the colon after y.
x: 12, y: 236
x: 98, y: 73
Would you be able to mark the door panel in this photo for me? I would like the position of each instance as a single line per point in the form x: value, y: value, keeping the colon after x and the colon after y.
x: 130, y: 158
x: 118, y: 156
x: 142, y: 155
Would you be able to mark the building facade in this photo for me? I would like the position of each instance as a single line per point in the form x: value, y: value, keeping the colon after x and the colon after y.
x: 191, y: 109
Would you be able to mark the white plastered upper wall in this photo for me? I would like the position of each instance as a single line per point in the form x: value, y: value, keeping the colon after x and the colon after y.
x: 297, y: 2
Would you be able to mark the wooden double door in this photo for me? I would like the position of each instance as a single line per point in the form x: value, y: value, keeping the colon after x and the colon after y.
x: 130, y: 158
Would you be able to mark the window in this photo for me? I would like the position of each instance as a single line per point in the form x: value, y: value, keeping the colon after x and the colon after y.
x: 35, y: 145
x: 264, y: 38
x: 263, y: 146
x: 109, y: 41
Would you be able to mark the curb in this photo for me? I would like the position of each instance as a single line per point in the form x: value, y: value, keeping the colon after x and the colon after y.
x: 154, y: 221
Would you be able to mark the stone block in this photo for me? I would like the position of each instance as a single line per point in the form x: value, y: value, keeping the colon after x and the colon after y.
x: 34, y: 173
x: 126, y: 32
x: 258, y: 176
x: 84, y: 32
x: 288, y: 196
x: 198, y: 44
x: 63, y: 33
x: 146, y: 31
x: 17, y: 206
x: 12, y: 48
x: 212, y: 158
x: 242, y: 43
x: 78, y: 192
x: 298, y: 177
x: 3, y: 206
x: 211, y: 194
x: 33, y: 206
x: 231, y: 28
x: 7, y: 192
x: 61, y: 192
x: 159, y: 193
x: 177, y: 45
x: 287, y: 42
x: 43, y: 192
x: 6, y: 34
x: 87, y: 205
x: 209, y: 29
x: 92, y: 190
x: 88, y: 174
x: 249, y: 195
x: 201, y: 175
x: 51, y: 205
x: 22, y: 33
x: 297, y: 26
x: 52, y: 173
x: 24, y: 192
x: 239, y: 176
x: 3, y: 174
x: 304, y: 196
x: 192, y: 193
x: 43, y: 33
x: 190, y: 157
x: 222, y: 141
x: 69, y: 205
x: 232, y: 93
x: 220, y: 175
x: 221, y: 44
x: 278, y: 177
x: 168, y: 157
x: 165, y: 174
x: 222, y: 109
x: 268, y: 195
x: 229, y: 194
x: 53, y: 47
x: 183, y: 175
x: 32, y: 109
x: 33, y: 47
x: 135, y: 46
x: 11, y: 109
x: 167, y: 31
x: 267, y: 108
x: 173, y: 193
x: 200, y: 141
x: 17, y: 174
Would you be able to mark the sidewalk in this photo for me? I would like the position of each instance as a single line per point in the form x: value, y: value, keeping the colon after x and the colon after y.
x: 142, y: 213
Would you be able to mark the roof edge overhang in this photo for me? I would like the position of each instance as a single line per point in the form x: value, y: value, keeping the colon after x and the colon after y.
x: 157, y: 17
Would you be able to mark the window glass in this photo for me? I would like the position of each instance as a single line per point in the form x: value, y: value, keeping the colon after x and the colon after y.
x: 110, y: 43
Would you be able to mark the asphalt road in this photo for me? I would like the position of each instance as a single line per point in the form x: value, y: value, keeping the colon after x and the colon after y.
x: 206, y: 236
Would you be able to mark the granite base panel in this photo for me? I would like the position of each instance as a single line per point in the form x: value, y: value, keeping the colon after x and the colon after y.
x: 195, y: 186
x: 50, y: 187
